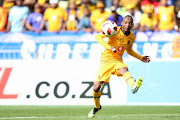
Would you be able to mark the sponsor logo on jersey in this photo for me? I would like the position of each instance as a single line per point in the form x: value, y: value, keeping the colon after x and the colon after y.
x: 120, y: 48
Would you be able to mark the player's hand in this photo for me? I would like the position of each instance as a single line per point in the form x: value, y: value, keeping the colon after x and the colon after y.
x: 113, y: 49
x: 146, y: 59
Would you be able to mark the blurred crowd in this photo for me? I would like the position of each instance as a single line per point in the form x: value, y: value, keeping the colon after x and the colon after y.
x: 87, y: 15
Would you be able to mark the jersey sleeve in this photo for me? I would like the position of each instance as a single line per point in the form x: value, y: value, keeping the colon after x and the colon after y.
x: 29, y: 18
x: 10, y: 17
x: 99, y: 38
x: 134, y: 54
x: 155, y: 21
x: 131, y: 52
x: 93, y: 17
x: 64, y: 15
x: 172, y: 9
x: 45, y: 17
x: 26, y: 12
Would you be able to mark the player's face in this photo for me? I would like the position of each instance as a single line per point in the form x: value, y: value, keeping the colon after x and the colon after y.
x: 127, y: 24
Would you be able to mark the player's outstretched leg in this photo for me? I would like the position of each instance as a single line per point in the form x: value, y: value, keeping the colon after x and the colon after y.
x: 136, y: 85
x: 96, y: 97
x: 130, y: 80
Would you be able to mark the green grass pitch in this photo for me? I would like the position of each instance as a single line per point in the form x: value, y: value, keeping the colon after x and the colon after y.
x: 80, y: 113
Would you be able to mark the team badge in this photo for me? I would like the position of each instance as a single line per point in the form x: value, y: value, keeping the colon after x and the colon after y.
x: 120, y: 48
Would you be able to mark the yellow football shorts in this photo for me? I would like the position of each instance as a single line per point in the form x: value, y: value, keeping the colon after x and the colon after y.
x: 106, y: 69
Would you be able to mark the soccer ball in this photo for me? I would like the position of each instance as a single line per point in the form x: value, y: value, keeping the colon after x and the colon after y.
x: 109, y: 28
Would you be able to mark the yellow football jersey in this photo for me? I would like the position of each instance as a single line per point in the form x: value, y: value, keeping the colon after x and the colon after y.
x: 149, y: 22
x: 72, y: 21
x: 121, y: 42
x: 53, y: 17
x: 99, y: 18
x: 165, y: 16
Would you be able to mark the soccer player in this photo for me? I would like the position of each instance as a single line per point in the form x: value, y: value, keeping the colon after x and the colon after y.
x: 111, y: 60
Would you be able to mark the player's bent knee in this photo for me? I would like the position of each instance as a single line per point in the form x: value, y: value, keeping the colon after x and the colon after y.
x: 122, y: 70
x: 97, y: 86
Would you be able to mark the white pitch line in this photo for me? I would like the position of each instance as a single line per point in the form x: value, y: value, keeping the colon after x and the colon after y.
x: 42, y: 117
x: 25, y: 117
x: 177, y: 116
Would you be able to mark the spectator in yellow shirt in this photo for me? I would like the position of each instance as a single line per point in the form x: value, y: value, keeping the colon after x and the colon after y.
x: 148, y: 19
x: 98, y: 17
x: 72, y: 21
x: 166, y: 17
x: 55, y: 17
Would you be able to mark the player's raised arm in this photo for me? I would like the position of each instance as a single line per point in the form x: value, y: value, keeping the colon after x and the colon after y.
x: 131, y: 52
x: 109, y: 29
x: 99, y: 38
